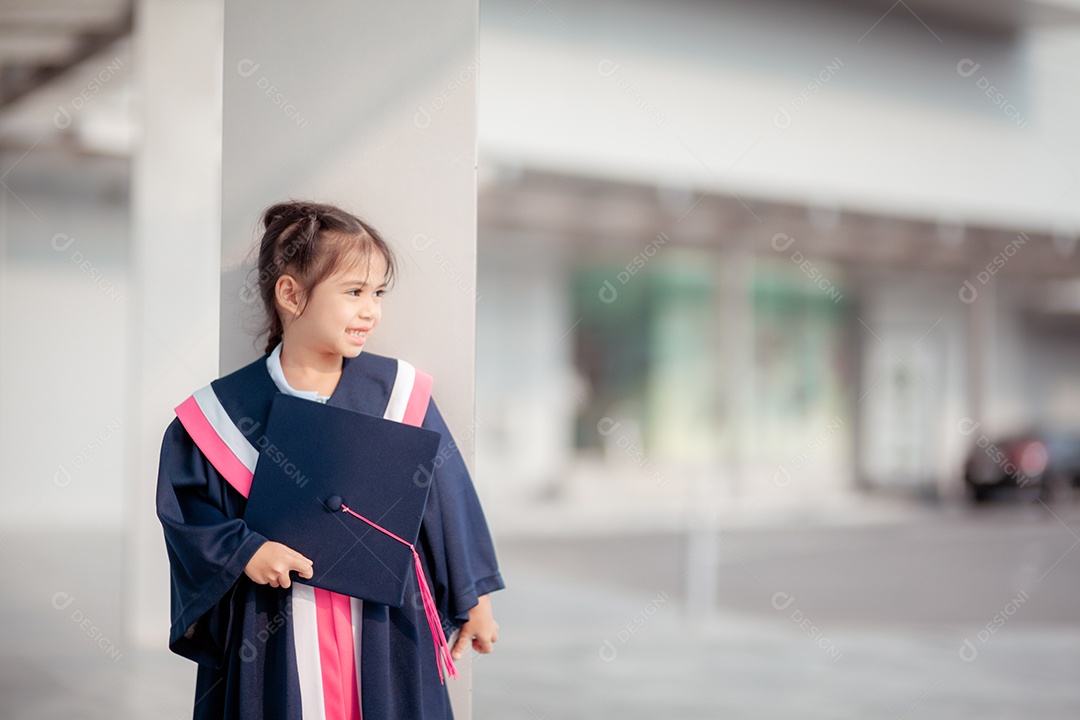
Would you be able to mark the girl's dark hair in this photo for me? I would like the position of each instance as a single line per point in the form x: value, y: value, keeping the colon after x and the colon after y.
x: 310, y: 241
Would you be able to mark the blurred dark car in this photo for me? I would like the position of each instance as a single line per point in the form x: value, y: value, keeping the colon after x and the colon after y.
x: 1042, y: 465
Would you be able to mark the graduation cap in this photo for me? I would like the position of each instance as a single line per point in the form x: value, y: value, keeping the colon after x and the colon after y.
x: 347, y: 490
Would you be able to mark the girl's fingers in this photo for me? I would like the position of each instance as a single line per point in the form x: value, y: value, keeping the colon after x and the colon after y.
x: 485, y: 644
x: 301, y: 565
x: 460, y: 645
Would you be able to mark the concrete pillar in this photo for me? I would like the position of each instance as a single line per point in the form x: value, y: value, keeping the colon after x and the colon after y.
x: 371, y: 106
x: 981, y: 350
x: 174, y: 267
x: 732, y: 338
x: 737, y: 361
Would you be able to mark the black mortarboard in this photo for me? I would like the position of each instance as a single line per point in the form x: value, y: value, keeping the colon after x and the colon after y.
x: 313, y: 460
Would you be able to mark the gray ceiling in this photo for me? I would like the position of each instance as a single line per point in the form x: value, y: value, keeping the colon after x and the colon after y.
x: 40, y: 40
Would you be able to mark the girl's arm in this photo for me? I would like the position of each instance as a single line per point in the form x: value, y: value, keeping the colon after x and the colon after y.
x: 462, y: 555
x: 208, y: 545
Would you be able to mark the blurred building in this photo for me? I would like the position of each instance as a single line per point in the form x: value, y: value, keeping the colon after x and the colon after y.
x: 771, y: 255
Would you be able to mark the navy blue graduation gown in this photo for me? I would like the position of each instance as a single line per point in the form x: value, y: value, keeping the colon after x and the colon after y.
x: 240, y: 632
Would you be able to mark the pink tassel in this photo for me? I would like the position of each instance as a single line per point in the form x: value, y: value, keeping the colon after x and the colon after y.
x: 442, y: 648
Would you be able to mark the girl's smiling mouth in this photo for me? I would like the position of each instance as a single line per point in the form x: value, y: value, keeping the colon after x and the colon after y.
x: 357, y: 333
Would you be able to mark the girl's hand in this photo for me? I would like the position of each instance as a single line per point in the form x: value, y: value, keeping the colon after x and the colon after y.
x: 273, y: 562
x: 480, y: 629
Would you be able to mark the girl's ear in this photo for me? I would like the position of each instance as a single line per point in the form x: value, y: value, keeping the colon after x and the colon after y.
x: 288, y: 294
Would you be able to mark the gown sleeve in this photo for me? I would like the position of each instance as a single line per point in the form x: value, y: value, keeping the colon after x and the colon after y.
x: 462, y: 552
x: 208, y: 543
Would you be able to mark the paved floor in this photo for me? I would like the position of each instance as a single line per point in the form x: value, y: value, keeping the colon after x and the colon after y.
x: 946, y: 615
x: 959, y: 615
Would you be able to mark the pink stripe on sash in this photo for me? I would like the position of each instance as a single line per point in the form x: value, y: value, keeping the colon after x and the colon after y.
x: 213, y: 447
x: 343, y: 630
x: 341, y: 696
x: 417, y: 407
x: 329, y: 652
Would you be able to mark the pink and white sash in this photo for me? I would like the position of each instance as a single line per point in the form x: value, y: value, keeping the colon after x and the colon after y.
x: 326, y: 625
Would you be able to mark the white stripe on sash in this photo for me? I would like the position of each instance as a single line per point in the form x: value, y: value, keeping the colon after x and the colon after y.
x: 399, y: 396
x: 306, y: 642
x: 357, y: 607
x: 224, y: 426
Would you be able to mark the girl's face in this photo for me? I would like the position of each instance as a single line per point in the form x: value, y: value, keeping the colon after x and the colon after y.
x: 342, y: 311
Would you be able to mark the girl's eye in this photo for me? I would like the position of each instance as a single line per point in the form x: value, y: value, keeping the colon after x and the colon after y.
x: 380, y: 293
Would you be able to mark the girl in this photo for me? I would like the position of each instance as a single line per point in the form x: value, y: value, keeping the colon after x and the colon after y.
x: 268, y: 647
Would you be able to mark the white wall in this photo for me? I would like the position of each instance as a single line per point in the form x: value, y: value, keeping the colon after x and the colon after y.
x: 912, y: 391
x: 916, y: 328
x: 64, y: 298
